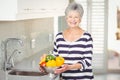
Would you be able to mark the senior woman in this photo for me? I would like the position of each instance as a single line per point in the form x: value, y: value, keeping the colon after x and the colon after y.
x: 75, y: 45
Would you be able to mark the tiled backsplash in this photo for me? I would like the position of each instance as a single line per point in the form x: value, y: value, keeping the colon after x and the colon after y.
x: 27, y: 30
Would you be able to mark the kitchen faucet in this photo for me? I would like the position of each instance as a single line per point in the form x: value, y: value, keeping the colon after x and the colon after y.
x: 7, y: 63
x: 10, y: 62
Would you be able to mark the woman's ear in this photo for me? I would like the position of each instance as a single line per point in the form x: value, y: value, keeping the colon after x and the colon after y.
x: 65, y: 17
x: 80, y: 19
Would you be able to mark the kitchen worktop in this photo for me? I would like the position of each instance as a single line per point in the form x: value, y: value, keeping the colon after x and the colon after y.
x: 28, y: 64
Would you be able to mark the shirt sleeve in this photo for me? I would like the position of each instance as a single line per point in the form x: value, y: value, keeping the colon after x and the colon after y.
x: 87, y: 55
x: 55, y: 51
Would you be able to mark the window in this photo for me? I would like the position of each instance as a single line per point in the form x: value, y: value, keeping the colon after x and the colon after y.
x: 94, y: 21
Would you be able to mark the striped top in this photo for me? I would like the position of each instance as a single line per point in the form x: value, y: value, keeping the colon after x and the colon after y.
x: 79, y: 51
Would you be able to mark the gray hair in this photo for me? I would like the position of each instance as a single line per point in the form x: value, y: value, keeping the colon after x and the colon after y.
x: 75, y: 7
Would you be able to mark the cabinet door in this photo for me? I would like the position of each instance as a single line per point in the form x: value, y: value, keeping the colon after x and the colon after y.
x: 30, y: 9
x: 41, y: 5
x: 26, y: 6
x: 52, y: 4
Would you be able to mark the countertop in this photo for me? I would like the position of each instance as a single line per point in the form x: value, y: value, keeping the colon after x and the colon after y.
x: 28, y: 64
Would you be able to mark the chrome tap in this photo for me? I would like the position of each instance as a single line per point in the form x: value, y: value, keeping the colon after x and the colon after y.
x: 10, y: 61
x: 7, y: 63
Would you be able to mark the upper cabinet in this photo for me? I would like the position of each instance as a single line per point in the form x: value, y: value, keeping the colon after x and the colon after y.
x: 30, y: 9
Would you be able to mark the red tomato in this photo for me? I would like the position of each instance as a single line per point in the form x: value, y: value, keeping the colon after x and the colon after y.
x: 43, y: 64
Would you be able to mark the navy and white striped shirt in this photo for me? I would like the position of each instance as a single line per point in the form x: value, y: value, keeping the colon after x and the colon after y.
x: 79, y: 51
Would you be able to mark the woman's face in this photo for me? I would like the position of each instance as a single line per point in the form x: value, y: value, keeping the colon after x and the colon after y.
x: 73, y: 19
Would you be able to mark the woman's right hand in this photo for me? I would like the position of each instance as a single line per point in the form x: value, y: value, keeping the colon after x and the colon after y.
x: 42, y: 69
x: 42, y: 59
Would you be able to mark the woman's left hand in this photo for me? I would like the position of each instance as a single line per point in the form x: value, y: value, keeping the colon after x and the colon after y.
x: 63, y: 68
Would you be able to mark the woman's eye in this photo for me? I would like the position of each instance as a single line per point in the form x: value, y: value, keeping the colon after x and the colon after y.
x: 76, y: 17
x: 70, y: 17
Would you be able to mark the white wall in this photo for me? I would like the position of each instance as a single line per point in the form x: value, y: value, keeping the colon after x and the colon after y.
x: 112, y: 25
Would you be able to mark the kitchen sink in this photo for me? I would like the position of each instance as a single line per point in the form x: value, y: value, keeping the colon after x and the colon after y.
x: 27, y: 73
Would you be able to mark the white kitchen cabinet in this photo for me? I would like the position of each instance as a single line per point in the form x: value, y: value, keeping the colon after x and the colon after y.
x: 30, y: 9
